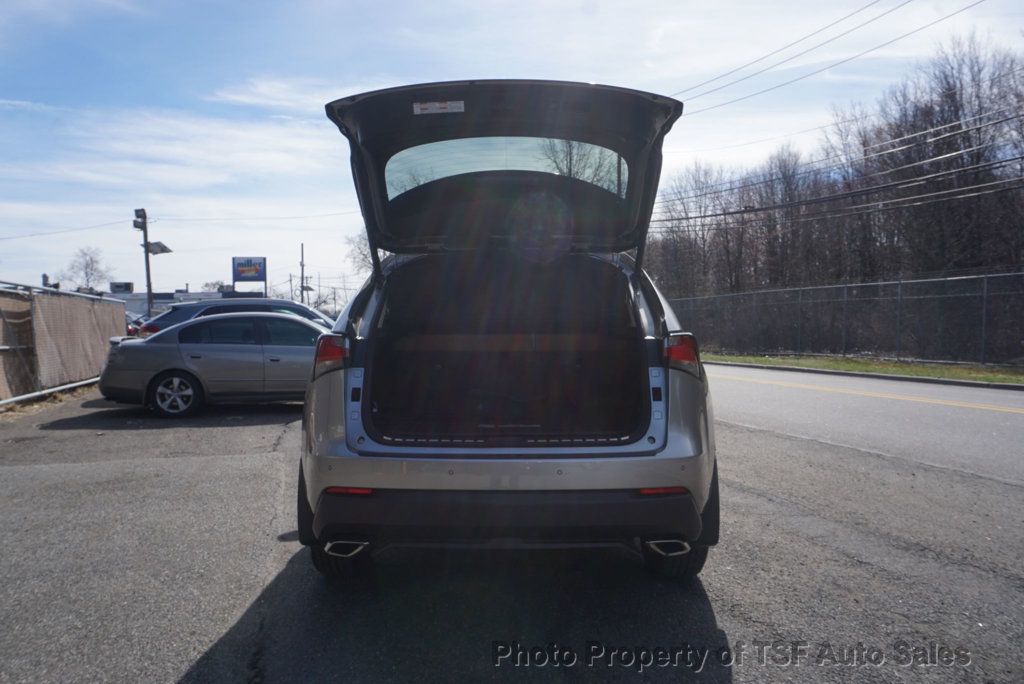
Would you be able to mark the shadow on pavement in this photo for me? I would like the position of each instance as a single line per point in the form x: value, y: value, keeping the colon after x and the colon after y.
x: 429, y: 615
x: 110, y: 416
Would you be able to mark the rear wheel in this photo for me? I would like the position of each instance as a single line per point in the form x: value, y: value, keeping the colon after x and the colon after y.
x: 175, y: 394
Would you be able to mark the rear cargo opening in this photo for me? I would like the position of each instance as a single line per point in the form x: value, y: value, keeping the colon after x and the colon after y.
x: 494, y: 349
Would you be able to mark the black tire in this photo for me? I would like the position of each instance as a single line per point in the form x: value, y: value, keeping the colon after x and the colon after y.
x: 175, y: 394
x: 334, y: 568
x: 304, y: 514
x: 683, y: 569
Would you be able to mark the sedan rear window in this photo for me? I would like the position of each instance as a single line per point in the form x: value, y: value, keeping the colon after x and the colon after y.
x: 421, y: 164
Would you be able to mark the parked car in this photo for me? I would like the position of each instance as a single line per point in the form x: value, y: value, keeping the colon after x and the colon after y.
x: 218, y: 358
x: 130, y: 328
x: 185, y: 311
x: 509, y: 372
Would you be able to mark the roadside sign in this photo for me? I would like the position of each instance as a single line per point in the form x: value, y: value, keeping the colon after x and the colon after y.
x: 249, y: 269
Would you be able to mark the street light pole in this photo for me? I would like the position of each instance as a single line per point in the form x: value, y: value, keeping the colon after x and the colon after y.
x: 142, y: 223
x: 302, y: 271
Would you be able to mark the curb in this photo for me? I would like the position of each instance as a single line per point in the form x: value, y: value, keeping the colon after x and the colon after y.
x: 883, y: 376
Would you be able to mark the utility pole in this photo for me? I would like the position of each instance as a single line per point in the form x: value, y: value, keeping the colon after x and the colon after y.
x: 302, y: 271
x: 291, y: 288
x: 318, y: 287
x: 142, y: 223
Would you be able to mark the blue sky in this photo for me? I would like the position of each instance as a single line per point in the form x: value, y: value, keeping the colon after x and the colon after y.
x: 210, y: 114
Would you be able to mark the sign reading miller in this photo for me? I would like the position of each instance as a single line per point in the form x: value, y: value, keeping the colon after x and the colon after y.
x: 249, y: 269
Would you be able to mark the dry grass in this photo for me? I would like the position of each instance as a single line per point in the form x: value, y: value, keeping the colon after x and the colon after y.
x: 977, y: 373
x: 28, y: 407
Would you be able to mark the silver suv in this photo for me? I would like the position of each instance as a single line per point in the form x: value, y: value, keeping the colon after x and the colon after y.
x: 508, y: 374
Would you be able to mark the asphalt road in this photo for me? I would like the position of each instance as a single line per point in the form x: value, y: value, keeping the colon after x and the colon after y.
x: 137, y: 549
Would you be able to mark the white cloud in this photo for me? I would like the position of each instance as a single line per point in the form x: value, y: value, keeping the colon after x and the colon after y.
x: 182, y: 165
x: 176, y: 150
x: 297, y: 94
x: 21, y: 13
x: 24, y: 105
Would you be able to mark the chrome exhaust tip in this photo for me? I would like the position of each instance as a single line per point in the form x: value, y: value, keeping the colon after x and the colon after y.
x: 344, y: 549
x: 669, y: 547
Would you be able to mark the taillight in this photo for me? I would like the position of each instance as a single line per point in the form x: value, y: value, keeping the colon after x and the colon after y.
x: 148, y: 329
x: 681, y: 353
x: 331, y: 354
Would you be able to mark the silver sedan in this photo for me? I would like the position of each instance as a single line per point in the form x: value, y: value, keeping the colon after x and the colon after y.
x: 222, y: 358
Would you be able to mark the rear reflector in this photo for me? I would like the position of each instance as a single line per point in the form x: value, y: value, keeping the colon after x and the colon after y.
x: 331, y: 354
x: 681, y: 352
x: 657, y: 491
x: 349, y: 490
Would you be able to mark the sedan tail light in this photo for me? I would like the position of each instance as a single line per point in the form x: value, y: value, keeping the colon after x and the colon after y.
x: 331, y: 354
x: 148, y: 329
x: 681, y: 352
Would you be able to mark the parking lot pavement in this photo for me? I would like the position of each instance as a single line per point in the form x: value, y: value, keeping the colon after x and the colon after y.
x: 137, y: 549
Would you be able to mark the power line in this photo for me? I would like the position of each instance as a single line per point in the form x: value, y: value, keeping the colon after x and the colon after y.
x: 775, y: 52
x: 895, y: 185
x: 774, y: 137
x: 119, y: 222
x: 869, y: 207
x: 815, y: 162
x: 800, y: 54
x: 180, y: 219
x: 829, y: 217
x: 835, y: 64
x: 256, y: 218
x: 825, y: 169
x: 828, y: 125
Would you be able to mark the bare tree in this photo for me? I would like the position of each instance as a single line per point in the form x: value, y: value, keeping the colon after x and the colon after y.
x: 889, y: 193
x: 87, y: 269
x: 213, y: 286
x: 584, y: 161
x: 359, y: 256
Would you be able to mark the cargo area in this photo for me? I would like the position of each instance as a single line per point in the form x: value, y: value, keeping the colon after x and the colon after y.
x: 499, y: 349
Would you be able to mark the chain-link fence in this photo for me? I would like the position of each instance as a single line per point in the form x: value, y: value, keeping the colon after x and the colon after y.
x: 50, y: 338
x: 974, y: 318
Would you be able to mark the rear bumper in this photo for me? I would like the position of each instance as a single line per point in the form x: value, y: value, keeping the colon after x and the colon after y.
x: 568, y: 516
x: 122, y: 387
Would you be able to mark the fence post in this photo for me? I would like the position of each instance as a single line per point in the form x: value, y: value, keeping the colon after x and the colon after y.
x: 757, y: 322
x: 899, y: 319
x: 846, y: 297
x: 984, y: 316
x: 33, y: 317
x: 799, y: 318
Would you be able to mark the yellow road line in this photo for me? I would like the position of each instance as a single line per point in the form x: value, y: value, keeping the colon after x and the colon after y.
x: 877, y: 395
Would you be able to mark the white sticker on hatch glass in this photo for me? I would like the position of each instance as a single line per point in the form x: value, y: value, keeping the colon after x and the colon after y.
x: 450, y: 107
